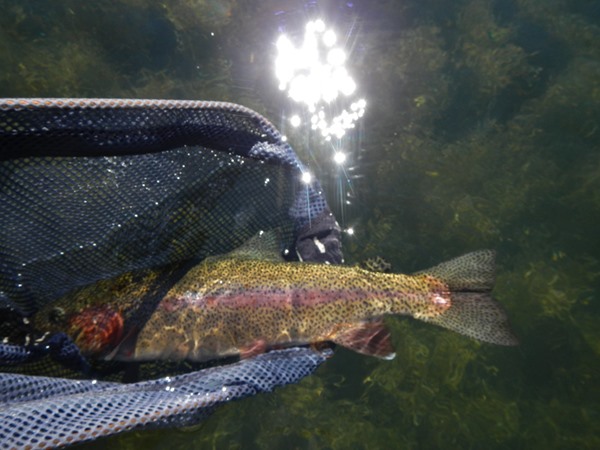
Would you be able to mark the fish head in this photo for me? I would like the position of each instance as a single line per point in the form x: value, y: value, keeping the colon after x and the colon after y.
x: 51, y: 318
x: 95, y: 329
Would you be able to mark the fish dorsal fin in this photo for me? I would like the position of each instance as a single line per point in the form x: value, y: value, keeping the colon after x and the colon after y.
x: 471, y: 272
x: 263, y: 246
x: 369, y: 338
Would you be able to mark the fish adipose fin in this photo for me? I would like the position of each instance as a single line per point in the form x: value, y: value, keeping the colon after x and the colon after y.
x: 368, y: 338
x: 473, y: 311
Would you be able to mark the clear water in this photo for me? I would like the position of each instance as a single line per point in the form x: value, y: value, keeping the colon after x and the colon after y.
x: 481, y: 130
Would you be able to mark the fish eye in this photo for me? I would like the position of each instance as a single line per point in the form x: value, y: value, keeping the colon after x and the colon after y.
x: 56, y: 315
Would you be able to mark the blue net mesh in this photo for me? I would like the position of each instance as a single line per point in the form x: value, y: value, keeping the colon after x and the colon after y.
x: 93, y: 188
x: 90, y: 189
x: 40, y: 412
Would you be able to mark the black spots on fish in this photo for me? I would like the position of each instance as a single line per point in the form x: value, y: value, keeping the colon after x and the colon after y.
x: 280, y: 315
x: 328, y: 312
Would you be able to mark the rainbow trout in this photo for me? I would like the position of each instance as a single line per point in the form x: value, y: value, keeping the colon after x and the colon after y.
x: 250, y: 300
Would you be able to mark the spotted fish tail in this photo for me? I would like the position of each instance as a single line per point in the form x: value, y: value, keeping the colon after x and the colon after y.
x: 473, y: 311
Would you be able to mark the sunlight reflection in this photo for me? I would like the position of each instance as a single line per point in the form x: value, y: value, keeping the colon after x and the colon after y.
x: 339, y: 157
x: 306, y: 177
x: 314, y: 75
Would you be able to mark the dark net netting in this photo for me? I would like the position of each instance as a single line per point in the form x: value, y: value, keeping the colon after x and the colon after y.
x: 92, y: 189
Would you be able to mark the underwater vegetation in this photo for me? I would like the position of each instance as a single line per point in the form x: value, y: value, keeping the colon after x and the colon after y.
x: 521, y: 179
x: 114, y: 49
x: 482, y: 131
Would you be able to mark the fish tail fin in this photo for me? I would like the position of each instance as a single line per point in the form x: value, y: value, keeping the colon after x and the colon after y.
x: 473, y: 311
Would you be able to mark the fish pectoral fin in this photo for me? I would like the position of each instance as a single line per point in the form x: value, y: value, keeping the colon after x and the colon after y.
x: 255, y: 348
x: 125, y: 350
x: 369, y: 338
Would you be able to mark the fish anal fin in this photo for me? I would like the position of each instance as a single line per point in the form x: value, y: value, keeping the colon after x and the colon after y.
x: 369, y: 338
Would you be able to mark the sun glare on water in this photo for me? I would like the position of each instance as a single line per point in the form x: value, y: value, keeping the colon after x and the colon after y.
x: 325, y: 102
x: 314, y: 75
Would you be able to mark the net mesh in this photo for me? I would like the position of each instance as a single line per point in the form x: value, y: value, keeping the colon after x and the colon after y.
x: 94, y: 188
x: 38, y: 412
